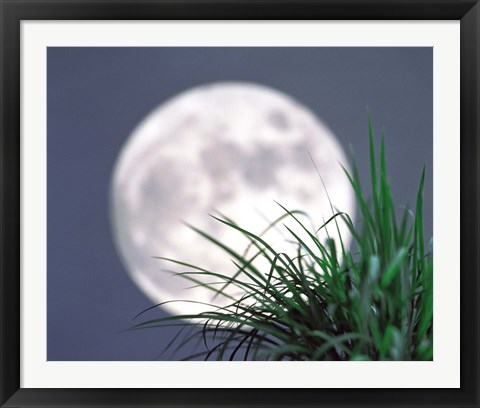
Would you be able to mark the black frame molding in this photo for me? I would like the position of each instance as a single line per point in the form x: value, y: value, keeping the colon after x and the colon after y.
x: 11, y: 14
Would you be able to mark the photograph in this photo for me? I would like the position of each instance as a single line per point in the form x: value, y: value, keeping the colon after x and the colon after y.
x: 240, y: 203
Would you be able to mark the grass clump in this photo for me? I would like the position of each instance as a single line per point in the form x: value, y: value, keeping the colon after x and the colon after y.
x: 371, y: 301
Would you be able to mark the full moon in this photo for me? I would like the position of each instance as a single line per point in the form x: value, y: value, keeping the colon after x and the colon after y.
x: 224, y: 148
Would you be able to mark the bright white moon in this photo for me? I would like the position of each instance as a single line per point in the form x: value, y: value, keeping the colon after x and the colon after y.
x: 231, y: 147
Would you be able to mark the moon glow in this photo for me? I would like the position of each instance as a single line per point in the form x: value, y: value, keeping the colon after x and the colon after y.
x: 232, y: 147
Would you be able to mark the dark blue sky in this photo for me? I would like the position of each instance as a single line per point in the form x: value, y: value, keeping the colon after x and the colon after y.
x: 96, y: 96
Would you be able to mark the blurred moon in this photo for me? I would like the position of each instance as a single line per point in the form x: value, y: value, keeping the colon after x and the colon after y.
x: 232, y: 147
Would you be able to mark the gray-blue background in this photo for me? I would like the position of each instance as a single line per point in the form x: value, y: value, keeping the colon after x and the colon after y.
x: 96, y: 96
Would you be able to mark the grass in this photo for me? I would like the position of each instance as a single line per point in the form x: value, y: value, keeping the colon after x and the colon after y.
x: 372, y: 300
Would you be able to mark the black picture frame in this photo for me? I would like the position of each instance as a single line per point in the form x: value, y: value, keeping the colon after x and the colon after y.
x: 13, y: 11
